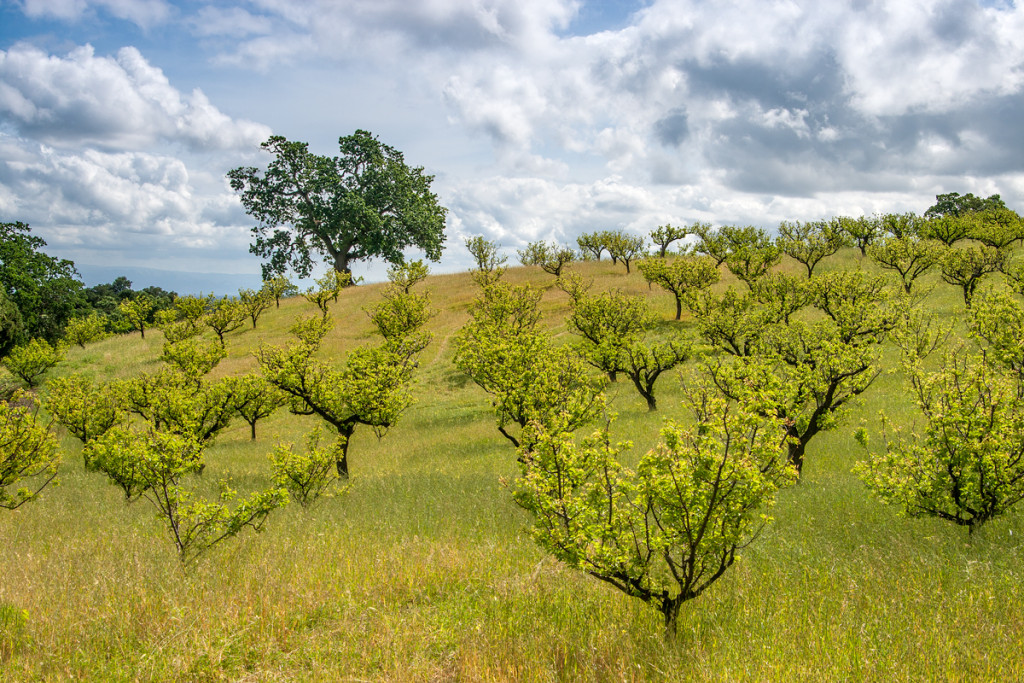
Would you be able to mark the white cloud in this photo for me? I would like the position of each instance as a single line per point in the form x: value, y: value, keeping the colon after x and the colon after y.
x: 121, y: 103
x: 144, y: 13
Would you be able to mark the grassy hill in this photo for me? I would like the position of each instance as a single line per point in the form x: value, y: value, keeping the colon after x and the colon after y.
x: 423, y: 569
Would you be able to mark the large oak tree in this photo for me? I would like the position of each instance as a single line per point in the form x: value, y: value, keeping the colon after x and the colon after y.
x: 364, y: 203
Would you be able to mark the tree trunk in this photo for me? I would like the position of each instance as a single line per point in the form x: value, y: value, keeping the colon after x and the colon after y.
x: 679, y: 307
x: 341, y: 265
x: 252, y: 425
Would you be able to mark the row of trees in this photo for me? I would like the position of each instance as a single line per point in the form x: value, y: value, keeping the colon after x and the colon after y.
x: 149, y: 434
x: 781, y: 360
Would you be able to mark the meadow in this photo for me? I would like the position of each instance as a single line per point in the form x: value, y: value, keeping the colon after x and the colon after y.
x: 422, y: 568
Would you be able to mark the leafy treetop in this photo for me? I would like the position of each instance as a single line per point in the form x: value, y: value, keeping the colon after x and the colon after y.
x: 365, y: 203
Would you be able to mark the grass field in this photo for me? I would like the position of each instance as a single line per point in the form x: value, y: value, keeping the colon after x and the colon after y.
x: 424, y: 570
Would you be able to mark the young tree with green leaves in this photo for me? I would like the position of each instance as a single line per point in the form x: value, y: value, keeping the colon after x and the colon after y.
x: 711, y: 242
x: 592, y: 245
x: 254, y: 303
x: 370, y: 389
x: 551, y: 257
x: 255, y: 399
x: 966, y: 466
x: 279, y: 286
x: 666, y: 531
x: 810, y: 242
x: 153, y: 465
x: 609, y: 323
x: 85, y: 330
x: 909, y: 257
x: 86, y: 409
x: 529, y: 379
x: 861, y: 232
x: 752, y: 254
x: 29, y: 455
x: 997, y: 228
x: 948, y: 229
x: 227, y: 315
x: 137, y: 311
x: 965, y: 266
x: 365, y: 203
x: 404, y: 276
x: 490, y: 265
x: 309, y: 473
x: 29, y: 362
x: 625, y: 247
x: 681, y: 276
x: 665, y: 235
x: 904, y: 225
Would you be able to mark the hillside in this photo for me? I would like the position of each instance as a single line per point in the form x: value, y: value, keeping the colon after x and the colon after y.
x: 423, y: 568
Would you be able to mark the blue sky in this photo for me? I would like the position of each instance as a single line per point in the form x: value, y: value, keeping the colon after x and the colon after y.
x: 539, y: 118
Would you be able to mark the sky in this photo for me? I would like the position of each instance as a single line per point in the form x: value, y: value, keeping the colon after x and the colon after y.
x: 540, y: 119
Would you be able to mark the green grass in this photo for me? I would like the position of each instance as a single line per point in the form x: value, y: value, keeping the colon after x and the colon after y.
x: 424, y: 568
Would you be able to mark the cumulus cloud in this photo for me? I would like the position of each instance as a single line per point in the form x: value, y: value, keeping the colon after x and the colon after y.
x: 111, y: 203
x: 144, y: 13
x: 738, y: 111
x: 114, y: 103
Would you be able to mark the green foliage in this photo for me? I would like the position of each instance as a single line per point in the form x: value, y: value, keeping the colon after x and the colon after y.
x: 407, y: 274
x: 810, y: 242
x: 29, y: 455
x: 805, y: 372
x: 254, y: 303
x: 12, y: 327
x: 965, y: 266
x: 29, y: 362
x: 995, y: 321
x: 644, y: 362
x: 751, y: 254
x: 665, y: 235
x: 365, y: 203
x: 967, y: 466
x: 152, y: 465
x: 321, y: 298
x: 955, y: 204
x: 861, y: 232
x: 948, y: 229
x: 255, y: 399
x: 490, y: 266
x: 551, y: 257
x: 173, y: 401
x: 625, y: 247
x: 732, y: 322
x: 592, y: 245
x: 610, y: 323
x: 904, y: 225
x: 781, y: 295
x: 668, y: 530
x: 997, y: 227
x: 226, y: 316
x: 307, y: 474
x: 137, y: 312
x: 193, y: 308
x: 711, y: 242
x: 192, y: 357
x: 908, y: 256
x: 277, y: 287
x: 400, y: 315
x: 85, y: 330
x: 371, y: 389
x: 45, y: 290
x: 529, y: 379
x: 682, y: 276
x: 86, y: 409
